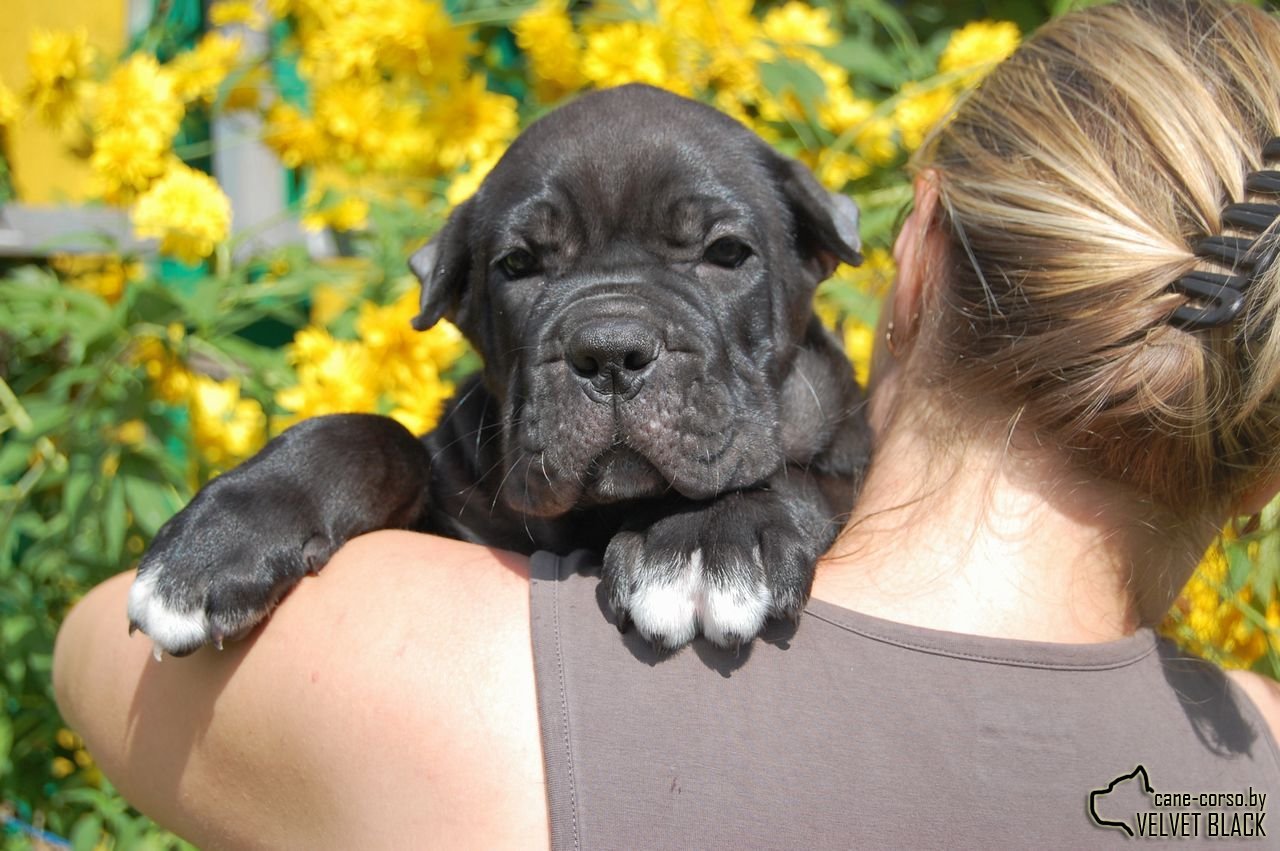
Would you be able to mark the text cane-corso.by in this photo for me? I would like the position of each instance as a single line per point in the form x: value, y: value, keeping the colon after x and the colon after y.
x: 637, y: 273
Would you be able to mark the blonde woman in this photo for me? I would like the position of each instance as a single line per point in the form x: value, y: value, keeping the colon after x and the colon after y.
x: 1079, y: 383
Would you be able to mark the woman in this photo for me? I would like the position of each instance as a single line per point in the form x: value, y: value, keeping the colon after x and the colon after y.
x: 1062, y: 424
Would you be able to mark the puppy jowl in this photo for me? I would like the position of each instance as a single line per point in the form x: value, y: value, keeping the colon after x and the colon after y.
x: 637, y: 273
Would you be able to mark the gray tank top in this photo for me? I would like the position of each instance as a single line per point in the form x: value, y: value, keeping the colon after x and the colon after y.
x: 848, y: 731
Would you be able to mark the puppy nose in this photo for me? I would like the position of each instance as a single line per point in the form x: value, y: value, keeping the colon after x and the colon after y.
x: 612, y: 355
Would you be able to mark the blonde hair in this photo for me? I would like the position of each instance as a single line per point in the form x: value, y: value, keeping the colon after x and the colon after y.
x: 1073, y: 185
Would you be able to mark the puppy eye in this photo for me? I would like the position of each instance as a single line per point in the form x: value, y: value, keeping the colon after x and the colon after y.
x: 727, y: 252
x: 518, y: 264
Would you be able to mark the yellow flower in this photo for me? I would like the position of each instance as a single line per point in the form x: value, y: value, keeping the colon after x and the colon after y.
x: 59, y: 64
x: 855, y: 120
x: 245, y: 13
x: 292, y: 135
x: 627, y: 52
x: 198, y: 73
x: 366, y: 39
x: 139, y: 95
x: 390, y: 339
x: 61, y: 767
x: 338, y: 377
x: 350, y: 212
x: 329, y: 301
x: 227, y: 427
x: 412, y: 361
x: 352, y: 114
x: 130, y: 433
x: 977, y: 47
x: 835, y: 167
x: 554, y: 50
x: 136, y: 115
x: 714, y: 45
x: 68, y: 739
x: 124, y: 165
x: 919, y: 110
x: 796, y: 23
x: 479, y: 123
x: 859, y: 340
x: 104, y: 274
x: 187, y: 211
x: 170, y: 381
x: 1217, y: 627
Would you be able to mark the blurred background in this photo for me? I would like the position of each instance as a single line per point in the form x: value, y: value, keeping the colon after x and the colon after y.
x: 205, y: 211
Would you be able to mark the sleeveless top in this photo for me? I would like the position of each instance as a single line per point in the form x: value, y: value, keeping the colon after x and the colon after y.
x: 848, y: 731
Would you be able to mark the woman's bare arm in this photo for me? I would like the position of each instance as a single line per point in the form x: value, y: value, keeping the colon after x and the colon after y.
x: 388, y: 702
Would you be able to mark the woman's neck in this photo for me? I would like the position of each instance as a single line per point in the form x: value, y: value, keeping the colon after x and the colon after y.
x: 997, y: 544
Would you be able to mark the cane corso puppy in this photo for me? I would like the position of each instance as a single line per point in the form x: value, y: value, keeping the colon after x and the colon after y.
x: 637, y: 273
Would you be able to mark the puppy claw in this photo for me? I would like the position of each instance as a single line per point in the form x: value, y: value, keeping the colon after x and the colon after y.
x: 157, y: 653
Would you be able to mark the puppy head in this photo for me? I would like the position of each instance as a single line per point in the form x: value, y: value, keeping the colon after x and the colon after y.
x: 637, y: 273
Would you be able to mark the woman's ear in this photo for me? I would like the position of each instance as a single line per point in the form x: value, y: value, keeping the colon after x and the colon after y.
x: 1258, y: 497
x: 911, y: 253
x: 900, y: 316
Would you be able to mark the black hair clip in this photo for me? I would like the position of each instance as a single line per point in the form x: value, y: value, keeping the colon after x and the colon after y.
x: 1215, y: 299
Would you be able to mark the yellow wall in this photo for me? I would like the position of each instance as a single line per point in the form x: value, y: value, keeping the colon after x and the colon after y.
x: 43, y: 172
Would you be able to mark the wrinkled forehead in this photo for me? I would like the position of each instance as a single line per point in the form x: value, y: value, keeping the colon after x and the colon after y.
x: 609, y: 178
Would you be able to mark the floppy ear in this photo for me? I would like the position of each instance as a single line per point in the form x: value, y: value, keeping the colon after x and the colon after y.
x: 442, y: 266
x: 826, y: 222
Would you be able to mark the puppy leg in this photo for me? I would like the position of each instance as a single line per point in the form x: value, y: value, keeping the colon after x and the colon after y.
x: 218, y: 566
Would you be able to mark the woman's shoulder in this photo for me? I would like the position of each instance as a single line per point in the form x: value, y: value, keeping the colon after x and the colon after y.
x: 391, y: 697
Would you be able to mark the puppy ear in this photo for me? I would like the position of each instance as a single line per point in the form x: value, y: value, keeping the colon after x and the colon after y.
x: 442, y: 265
x: 826, y: 222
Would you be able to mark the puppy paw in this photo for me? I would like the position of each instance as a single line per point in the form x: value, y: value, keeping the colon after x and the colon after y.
x: 216, y: 570
x: 721, y: 570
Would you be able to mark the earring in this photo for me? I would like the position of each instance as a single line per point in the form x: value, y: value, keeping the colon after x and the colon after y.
x: 888, y: 339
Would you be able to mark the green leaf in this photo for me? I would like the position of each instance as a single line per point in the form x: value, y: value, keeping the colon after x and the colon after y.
x: 14, y: 627
x: 151, y: 498
x: 115, y: 521
x: 86, y: 832
x: 6, y: 744
x: 156, y: 305
x: 79, y: 480
x: 790, y: 76
x: 1240, y: 566
x: 864, y: 62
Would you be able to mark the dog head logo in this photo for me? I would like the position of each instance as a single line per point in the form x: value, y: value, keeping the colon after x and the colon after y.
x: 1128, y: 793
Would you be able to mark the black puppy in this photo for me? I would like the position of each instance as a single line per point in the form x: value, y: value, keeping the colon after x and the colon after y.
x: 637, y: 273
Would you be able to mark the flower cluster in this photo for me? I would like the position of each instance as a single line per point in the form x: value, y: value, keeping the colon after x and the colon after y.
x: 394, y: 104
x: 1233, y: 628
x: 388, y: 369
x: 126, y: 122
x: 187, y: 211
x: 73, y: 757
x: 226, y: 426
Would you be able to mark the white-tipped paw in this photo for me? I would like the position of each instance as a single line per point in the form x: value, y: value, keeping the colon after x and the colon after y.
x: 171, y: 629
x: 180, y: 628
x: 672, y: 601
